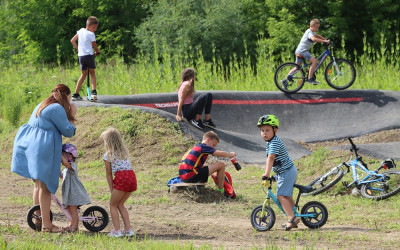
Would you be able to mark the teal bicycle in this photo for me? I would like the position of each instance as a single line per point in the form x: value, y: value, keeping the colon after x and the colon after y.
x: 313, y: 214
x: 339, y: 73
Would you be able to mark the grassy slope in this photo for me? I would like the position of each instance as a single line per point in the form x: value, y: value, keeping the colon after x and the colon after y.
x: 156, y: 147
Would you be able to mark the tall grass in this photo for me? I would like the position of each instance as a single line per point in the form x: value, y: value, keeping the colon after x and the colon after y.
x: 23, y: 86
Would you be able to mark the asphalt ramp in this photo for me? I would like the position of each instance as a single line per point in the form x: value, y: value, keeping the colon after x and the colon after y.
x: 308, y: 116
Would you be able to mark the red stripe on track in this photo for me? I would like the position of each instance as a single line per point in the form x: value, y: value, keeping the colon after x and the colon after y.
x: 257, y: 102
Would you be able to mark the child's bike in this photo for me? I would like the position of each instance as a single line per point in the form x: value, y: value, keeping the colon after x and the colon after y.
x: 374, y: 185
x: 313, y: 214
x: 339, y: 73
x: 94, y: 218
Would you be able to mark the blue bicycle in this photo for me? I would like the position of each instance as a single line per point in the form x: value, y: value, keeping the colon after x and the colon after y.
x: 313, y: 214
x: 374, y: 185
x: 339, y: 73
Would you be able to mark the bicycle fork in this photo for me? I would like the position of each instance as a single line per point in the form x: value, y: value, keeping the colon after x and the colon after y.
x: 336, y: 66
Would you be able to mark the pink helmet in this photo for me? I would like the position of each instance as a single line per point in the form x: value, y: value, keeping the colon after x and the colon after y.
x: 70, y: 148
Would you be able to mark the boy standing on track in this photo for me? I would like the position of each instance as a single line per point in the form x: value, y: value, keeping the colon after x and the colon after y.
x: 86, y: 43
x: 302, y: 51
x: 280, y: 162
x: 192, y: 169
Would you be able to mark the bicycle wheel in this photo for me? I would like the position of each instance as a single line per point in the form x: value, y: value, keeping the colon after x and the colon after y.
x: 320, y: 214
x: 342, y: 76
x: 326, y: 181
x: 289, y: 77
x: 34, y: 218
x: 265, y: 223
x: 381, y: 190
x: 100, y: 221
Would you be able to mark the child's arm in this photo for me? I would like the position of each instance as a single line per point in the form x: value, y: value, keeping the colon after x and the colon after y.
x: 94, y: 44
x: 319, y: 39
x: 65, y: 162
x: 224, y: 154
x: 109, y: 175
x: 73, y: 41
x: 268, y: 165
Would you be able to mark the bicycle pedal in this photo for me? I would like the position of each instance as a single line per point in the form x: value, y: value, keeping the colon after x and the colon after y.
x: 345, y: 183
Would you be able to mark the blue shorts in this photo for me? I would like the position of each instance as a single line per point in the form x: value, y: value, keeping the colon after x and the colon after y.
x: 305, y: 54
x: 87, y: 62
x: 285, y: 182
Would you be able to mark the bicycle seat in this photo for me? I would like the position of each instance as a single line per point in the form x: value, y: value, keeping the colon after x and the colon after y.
x: 304, y: 189
x: 299, y: 56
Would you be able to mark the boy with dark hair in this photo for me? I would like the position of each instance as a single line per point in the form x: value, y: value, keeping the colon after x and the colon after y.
x: 192, y: 169
x: 86, y: 43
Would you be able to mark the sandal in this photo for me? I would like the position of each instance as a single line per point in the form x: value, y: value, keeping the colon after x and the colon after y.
x: 71, y: 229
x: 293, y: 224
x: 53, y: 229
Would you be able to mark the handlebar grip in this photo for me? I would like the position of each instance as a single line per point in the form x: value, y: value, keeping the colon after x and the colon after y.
x: 264, y: 178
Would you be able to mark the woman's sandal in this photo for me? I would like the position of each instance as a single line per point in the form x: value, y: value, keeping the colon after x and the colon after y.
x: 293, y: 224
x: 53, y: 229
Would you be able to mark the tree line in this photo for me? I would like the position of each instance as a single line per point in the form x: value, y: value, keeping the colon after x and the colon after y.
x: 39, y: 31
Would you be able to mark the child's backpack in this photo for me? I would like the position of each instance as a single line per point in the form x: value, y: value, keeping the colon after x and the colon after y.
x: 229, y: 192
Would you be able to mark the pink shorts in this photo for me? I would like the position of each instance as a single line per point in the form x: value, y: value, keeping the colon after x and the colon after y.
x: 125, y: 181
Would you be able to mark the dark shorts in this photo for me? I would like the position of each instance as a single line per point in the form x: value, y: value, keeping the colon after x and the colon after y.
x: 87, y: 62
x: 125, y: 181
x: 201, y: 176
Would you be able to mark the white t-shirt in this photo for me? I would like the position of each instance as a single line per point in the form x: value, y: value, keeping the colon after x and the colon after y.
x: 85, y: 39
x: 305, y: 42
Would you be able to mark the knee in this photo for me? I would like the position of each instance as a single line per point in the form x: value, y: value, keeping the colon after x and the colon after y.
x: 209, y: 96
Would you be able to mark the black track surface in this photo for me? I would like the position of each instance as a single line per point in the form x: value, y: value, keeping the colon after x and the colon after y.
x: 308, y: 116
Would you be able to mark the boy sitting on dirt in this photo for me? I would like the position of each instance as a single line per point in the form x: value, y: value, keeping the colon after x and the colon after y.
x: 192, y: 169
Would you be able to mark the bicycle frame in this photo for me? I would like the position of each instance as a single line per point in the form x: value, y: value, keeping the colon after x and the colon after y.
x: 271, y: 195
x: 321, y: 58
x: 356, y: 163
x: 67, y: 213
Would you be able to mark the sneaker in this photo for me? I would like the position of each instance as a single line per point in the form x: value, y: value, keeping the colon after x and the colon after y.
x: 209, y: 123
x: 312, y: 81
x: 76, y: 97
x: 115, y: 234
x: 94, y: 95
x: 129, y: 233
x: 198, y: 124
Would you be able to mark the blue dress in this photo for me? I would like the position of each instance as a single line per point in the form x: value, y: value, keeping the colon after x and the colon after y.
x: 37, y: 145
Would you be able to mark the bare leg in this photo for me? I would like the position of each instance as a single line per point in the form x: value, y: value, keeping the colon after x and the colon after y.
x: 218, y: 167
x: 287, y: 205
x: 312, y: 68
x: 35, y: 198
x: 207, y: 117
x: 73, y: 210
x: 124, y: 212
x: 198, y: 117
x: 116, y: 197
x: 45, y: 202
x: 80, y: 81
x: 93, y: 77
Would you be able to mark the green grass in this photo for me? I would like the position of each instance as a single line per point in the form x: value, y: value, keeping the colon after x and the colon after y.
x: 150, y: 159
x: 24, y: 86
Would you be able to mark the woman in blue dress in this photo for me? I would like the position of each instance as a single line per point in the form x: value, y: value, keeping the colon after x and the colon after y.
x: 37, y: 148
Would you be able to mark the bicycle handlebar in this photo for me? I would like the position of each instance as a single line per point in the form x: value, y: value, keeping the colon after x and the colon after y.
x: 355, y: 149
x: 353, y: 145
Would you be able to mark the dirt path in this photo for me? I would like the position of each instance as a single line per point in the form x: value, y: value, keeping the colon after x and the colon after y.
x: 209, y: 223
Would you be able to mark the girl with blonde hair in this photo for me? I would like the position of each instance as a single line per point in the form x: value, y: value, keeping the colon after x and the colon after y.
x: 116, y: 160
